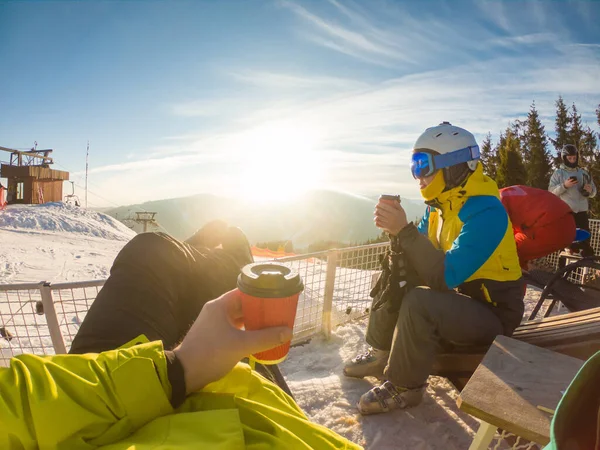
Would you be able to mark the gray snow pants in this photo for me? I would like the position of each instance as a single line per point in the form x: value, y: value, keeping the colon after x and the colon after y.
x: 426, y: 319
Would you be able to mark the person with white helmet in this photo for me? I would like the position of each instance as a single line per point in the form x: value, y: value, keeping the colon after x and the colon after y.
x: 574, y: 185
x: 468, y: 287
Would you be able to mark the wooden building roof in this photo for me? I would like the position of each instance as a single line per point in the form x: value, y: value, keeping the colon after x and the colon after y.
x: 38, y: 172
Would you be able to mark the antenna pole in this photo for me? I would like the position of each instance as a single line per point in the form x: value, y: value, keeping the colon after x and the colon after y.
x: 87, y: 154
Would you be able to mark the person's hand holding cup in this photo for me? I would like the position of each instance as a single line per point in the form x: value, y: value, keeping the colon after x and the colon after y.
x: 389, y: 214
x: 269, y: 297
x: 216, y: 341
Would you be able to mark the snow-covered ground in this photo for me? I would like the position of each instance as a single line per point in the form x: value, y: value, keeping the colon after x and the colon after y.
x: 57, y: 243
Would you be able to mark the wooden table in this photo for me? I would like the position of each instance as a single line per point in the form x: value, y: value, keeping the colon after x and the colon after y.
x: 513, y: 379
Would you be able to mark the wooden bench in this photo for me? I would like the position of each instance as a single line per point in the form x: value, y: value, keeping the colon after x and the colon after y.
x: 510, y: 385
x: 575, y: 334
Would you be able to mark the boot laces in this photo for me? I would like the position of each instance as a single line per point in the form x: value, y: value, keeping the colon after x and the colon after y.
x: 366, y: 357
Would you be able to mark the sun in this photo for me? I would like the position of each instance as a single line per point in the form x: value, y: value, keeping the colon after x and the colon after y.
x: 279, y: 160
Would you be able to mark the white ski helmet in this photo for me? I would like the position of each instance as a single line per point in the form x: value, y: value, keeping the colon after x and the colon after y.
x: 444, y: 139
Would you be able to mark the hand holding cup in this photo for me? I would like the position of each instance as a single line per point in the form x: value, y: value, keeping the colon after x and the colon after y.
x: 216, y: 341
x: 389, y: 215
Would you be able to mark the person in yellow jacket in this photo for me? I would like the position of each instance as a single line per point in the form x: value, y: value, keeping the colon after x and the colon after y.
x: 185, y: 389
x: 467, y: 287
x: 144, y: 397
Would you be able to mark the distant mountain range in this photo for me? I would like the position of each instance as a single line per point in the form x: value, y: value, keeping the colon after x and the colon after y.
x: 316, y: 216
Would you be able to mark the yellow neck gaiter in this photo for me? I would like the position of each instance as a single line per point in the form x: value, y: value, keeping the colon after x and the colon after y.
x: 435, y: 188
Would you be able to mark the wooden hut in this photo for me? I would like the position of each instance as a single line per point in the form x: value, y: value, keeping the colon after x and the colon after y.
x: 30, y: 179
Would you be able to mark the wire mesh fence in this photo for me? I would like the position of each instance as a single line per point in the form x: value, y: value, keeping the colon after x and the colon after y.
x: 582, y: 275
x: 43, y: 318
x: 23, y: 325
x: 71, y: 303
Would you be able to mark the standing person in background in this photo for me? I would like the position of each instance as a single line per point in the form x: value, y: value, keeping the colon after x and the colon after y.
x: 574, y: 186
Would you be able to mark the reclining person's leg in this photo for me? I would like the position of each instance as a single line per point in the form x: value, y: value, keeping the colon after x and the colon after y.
x: 157, y: 287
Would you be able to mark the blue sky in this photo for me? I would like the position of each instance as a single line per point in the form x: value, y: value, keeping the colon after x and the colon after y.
x: 264, y: 98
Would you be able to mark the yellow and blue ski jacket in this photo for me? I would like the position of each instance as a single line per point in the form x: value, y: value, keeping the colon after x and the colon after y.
x: 470, y: 247
x: 121, y: 400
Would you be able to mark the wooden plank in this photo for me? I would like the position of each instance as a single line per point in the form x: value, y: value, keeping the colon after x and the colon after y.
x: 566, y: 318
x: 558, y: 325
x: 582, y: 328
x: 561, y: 317
x: 513, y: 378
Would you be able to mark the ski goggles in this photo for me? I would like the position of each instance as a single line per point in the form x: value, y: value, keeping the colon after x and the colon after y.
x: 424, y: 164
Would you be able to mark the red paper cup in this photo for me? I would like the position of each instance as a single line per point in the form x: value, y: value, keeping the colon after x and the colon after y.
x: 269, y: 293
x: 391, y: 199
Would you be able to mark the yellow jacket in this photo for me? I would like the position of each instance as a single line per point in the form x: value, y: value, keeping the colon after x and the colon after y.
x: 479, y: 253
x: 465, y: 242
x: 120, y: 400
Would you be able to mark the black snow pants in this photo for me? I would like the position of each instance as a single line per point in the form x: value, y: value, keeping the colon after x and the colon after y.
x: 427, y: 319
x: 157, y: 287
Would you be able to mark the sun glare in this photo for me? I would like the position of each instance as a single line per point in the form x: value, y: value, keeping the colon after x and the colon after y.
x: 279, y: 161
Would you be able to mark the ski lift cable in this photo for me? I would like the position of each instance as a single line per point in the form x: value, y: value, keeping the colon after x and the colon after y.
x: 93, y: 193
x: 107, y: 200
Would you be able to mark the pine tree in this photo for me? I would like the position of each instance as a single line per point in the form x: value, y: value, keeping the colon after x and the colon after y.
x: 561, y: 127
x: 589, y: 145
x: 511, y: 170
x: 488, y: 157
x: 576, y: 134
x: 535, y: 151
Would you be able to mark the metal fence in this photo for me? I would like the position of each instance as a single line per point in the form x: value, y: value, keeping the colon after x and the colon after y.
x: 43, y: 318
x: 579, y: 276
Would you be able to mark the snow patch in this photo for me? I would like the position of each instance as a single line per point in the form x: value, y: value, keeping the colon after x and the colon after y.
x: 63, y: 218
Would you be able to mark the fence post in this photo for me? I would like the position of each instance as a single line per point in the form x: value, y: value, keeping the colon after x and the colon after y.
x: 52, y: 319
x: 328, y: 298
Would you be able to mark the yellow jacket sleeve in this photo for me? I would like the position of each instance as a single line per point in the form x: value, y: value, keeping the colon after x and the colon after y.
x: 81, y: 401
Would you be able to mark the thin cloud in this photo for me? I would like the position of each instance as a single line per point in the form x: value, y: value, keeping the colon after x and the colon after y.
x: 525, y: 39
x: 344, y: 39
x: 495, y: 12
x: 277, y: 80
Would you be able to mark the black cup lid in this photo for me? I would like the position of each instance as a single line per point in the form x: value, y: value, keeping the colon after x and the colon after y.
x: 269, y: 280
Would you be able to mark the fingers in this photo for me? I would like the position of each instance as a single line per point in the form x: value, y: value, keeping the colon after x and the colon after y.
x: 388, y: 206
x: 232, y: 302
x: 261, y: 340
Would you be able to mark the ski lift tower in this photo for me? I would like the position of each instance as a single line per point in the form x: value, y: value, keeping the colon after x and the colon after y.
x: 145, y: 217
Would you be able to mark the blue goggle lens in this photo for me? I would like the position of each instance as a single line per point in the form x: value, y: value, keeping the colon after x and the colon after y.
x: 421, y: 165
x: 424, y: 164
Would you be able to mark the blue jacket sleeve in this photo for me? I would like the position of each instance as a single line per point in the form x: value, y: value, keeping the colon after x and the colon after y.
x: 484, y: 226
x: 424, y: 223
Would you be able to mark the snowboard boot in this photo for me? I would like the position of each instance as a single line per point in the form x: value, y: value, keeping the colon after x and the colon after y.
x: 369, y: 364
x: 389, y: 397
x: 235, y: 243
x: 209, y: 236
